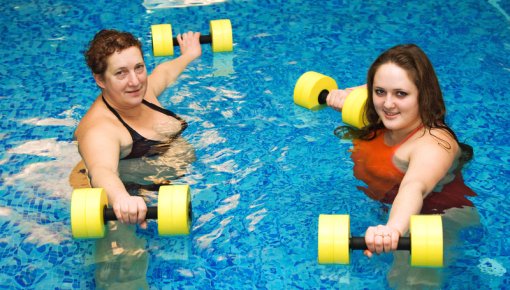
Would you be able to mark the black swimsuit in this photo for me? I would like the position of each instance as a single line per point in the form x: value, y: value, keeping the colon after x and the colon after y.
x: 141, y: 145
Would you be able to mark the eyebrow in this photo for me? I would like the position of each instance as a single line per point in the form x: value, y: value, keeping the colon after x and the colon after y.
x: 397, y: 89
x: 125, y: 67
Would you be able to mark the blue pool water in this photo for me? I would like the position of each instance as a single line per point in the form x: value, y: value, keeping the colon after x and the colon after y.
x: 265, y: 168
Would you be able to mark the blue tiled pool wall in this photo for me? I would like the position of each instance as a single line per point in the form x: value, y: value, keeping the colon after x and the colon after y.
x: 265, y: 168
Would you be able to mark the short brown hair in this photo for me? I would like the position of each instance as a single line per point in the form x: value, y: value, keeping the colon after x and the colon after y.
x: 105, y: 43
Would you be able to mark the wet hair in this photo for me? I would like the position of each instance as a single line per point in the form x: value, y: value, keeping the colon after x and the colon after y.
x: 420, y: 71
x: 105, y: 43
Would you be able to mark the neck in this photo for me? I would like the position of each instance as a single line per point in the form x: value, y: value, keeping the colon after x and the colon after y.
x: 125, y: 110
x: 397, y: 136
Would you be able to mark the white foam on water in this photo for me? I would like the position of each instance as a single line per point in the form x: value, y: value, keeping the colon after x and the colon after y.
x: 491, y: 267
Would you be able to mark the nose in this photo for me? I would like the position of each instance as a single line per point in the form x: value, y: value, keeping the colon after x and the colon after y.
x: 133, y: 79
x: 388, y: 101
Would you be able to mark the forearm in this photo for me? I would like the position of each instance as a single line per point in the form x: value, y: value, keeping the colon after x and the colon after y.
x: 110, y: 181
x: 167, y: 73
x: 172, y: 69
x: 408, y: 201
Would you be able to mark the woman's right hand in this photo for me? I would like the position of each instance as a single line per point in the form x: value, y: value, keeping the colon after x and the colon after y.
x: 130, y: 210
x: 336, y: 98
x: 381, y: 238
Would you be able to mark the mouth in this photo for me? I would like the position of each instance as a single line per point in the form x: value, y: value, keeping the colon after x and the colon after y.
x: 390, y: 114
x: 134, y: 91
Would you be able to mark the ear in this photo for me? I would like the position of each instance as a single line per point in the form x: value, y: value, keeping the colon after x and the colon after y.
x: 99, y: 80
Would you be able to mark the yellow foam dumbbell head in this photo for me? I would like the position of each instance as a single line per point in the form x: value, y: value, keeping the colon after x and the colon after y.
x: 87, y: 205
x: 333, y: 239
x: 174, y: 210
x: 426, y: 240
x: 309, y: 86
x: 353, y: 110
x: 221, y: 34
x: 162, y: 40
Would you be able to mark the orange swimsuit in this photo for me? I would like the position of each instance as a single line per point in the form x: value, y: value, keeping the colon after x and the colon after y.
x: 373, y: 164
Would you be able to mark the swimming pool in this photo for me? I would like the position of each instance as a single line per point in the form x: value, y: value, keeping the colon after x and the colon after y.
x: 265, y: 168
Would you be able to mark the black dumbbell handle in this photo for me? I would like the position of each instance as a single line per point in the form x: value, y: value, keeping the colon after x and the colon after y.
x: 152, y: 213
x: 322, y: 97
x: 203, y: 39
x: 358, y: 243
x: 109, y: 214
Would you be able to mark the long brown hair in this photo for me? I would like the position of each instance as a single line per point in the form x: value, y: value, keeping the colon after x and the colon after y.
x: 420, y: 70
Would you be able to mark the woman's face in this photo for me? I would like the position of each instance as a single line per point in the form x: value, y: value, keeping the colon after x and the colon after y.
x: 395, y: 98
x: 125, y: 78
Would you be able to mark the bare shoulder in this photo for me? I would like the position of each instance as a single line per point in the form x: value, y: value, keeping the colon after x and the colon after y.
x: 443, y: 138
x: 437, y: 142
x: 97, y: 122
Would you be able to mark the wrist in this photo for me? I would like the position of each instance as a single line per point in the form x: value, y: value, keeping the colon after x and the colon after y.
x: 114, y: 198
x: 398, y: 228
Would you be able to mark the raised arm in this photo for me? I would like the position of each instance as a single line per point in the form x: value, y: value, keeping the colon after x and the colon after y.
x: 100, y: 150
x: 166, y: 73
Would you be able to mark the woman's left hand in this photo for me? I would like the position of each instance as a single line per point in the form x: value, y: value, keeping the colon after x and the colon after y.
x: 189, y: 43
x: 381, y: 238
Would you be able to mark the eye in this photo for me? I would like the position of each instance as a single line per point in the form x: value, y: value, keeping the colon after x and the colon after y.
x: 401, y: 93
x: 379, y: 92
x: 140, y: 68
x: 120, y: 74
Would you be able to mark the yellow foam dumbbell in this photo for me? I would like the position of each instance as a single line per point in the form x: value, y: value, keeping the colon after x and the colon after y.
x: 90, y: 212
x: 425, y: 242
x: 312, y: 89
x: 220, y: 37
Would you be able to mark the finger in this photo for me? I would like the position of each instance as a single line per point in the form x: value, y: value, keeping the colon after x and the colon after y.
x: 367, y: 253
x: 378, y: 244
x: 179, y: 39
x: 387, y: 241
x: 133, y: 214
x: 118, y: 213
x: 142, y: 212
x: 188, y: 36
x: 143, y: 225
x: 124, y: 210
x: 369, y: 239
x: 394, y: 240
x: 329, y: 99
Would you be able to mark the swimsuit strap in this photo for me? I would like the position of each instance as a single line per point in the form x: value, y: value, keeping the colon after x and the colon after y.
x: 409, y: 136
x: 134, y: 134
x: 161, y: 110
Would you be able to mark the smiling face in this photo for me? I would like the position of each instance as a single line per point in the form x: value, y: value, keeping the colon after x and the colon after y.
x: 395, y: 98
x: 124, y: 81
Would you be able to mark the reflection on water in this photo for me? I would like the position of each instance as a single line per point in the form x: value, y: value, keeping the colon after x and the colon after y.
x: 228, y: 204
x: 223, y: 64
x: 40, y: 190
x: 164, y: 4
x: 403, y: 275
x: 121, y: 259
x: 62, y: 157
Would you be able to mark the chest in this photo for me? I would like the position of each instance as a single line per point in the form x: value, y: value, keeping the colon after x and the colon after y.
x: 150, y: 124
